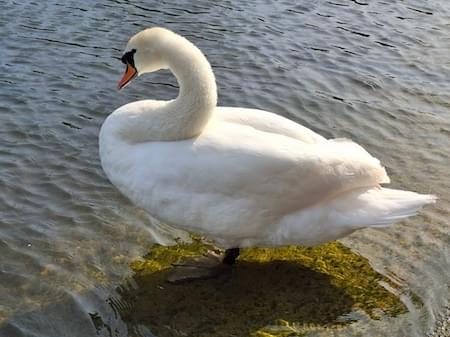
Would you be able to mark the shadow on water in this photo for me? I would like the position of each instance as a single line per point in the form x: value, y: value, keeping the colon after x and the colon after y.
x: 271, y: 292
x: 281, y: 292
x: 255, y: 295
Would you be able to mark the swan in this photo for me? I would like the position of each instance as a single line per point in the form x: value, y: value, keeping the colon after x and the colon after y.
x: 239, y: 177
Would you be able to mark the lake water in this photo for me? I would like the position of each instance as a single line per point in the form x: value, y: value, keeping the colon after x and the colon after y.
x: 373, y: 71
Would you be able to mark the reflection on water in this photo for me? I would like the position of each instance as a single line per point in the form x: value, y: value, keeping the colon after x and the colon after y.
x: 376, y: 72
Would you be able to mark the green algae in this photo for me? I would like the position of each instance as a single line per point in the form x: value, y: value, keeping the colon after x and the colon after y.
x: 280, y: 292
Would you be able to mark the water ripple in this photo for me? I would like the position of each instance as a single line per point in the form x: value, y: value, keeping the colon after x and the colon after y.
x: 375, y: 72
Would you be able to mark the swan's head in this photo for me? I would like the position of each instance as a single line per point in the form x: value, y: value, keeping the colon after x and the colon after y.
x: 145, y: 53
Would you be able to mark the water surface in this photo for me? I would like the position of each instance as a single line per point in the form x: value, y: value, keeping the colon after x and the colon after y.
x: 375, y: 72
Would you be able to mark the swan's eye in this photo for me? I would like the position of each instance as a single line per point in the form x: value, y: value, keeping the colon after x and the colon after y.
x: 128, y: 57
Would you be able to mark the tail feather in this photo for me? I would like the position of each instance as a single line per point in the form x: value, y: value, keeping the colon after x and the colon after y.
x: 390, y: 206
x: 374, y: 207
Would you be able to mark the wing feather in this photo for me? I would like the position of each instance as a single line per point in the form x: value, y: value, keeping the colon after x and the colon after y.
x: 236, y: 178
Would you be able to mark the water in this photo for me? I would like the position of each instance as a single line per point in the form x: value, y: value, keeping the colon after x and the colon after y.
x: 376, y: 72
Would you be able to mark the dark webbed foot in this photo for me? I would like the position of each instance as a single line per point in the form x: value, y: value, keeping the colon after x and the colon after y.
x: 208, y: 266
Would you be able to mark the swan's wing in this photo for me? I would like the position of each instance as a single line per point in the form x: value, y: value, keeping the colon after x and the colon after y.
x: 267, y: 122
x: 238, y: 180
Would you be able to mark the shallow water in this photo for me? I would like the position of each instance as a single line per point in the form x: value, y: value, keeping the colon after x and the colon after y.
x: 376, y: 72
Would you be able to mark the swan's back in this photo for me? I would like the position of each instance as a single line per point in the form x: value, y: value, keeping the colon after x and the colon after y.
x: 267, y: 122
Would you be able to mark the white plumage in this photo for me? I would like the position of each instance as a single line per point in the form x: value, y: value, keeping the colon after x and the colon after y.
x: 241, y: 177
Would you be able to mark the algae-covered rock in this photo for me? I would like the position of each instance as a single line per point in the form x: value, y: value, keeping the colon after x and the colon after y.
x: 278, y: 292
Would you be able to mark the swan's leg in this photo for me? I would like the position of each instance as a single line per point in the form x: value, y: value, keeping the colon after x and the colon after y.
x: 207, y: 266
x: 230, y: 256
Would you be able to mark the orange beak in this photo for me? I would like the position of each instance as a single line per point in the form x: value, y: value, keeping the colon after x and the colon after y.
x: 130, y: 73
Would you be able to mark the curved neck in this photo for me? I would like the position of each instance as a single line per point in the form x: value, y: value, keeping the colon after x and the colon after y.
x: 197, y: 98
x: 184, y: 117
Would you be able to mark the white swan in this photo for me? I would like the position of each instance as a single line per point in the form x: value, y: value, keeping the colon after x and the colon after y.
x: 240, y: 177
